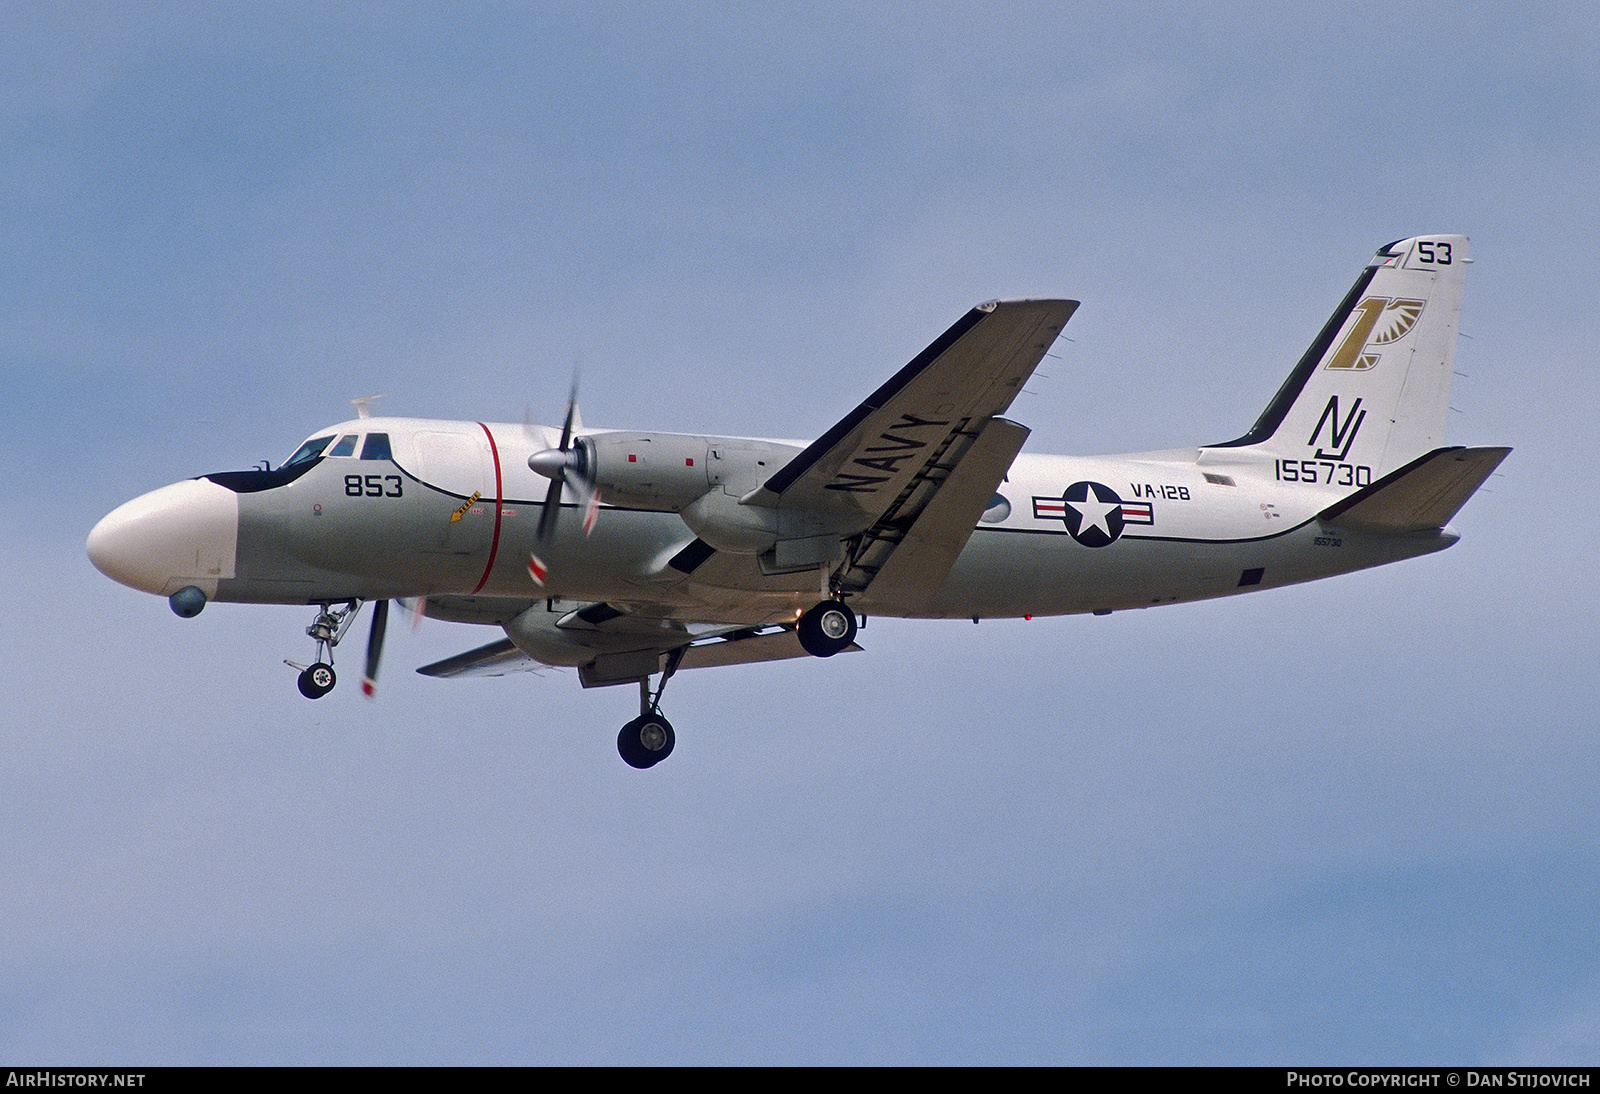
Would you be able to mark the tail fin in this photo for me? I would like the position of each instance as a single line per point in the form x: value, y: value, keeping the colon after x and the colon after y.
x: 1373, y: 390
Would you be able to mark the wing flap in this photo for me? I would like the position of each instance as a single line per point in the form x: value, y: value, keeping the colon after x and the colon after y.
x: 905, y: 567
x: 1421, y: 496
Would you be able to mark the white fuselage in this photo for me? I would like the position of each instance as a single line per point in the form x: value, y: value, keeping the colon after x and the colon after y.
x: 452, y: 512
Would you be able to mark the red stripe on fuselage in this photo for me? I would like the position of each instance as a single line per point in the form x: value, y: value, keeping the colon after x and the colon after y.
x: 494, y: 544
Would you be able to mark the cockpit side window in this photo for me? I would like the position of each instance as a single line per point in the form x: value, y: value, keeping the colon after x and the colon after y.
x: 308, y: 451
x: 345, y: 447
x: 377, y: 447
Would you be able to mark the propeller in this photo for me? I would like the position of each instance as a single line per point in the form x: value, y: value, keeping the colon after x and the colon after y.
x: 415, y: 607
x: 380, y: 622
x: 570, y: 465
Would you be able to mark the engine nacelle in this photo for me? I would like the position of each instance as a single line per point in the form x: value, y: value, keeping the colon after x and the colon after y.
x: 669, y: 471
x: 719, y: 519
x: 661, y: 471
x: 601, y: 657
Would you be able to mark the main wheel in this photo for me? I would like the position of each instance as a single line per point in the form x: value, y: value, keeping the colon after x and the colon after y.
x: 317, y: 681
x: 646, y: 741
x: 827, y: 628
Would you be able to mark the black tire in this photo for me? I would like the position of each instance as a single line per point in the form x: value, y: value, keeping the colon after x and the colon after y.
x: 317, y: 680
x: 827, y: 628
x: 646, y: 741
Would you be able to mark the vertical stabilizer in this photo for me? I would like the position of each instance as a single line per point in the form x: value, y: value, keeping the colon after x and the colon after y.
x: 1373, y: 391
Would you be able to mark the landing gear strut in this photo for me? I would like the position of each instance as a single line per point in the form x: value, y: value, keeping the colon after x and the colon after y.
x: 827, y: 628
x: 648, y: 739
x: 318, y: 678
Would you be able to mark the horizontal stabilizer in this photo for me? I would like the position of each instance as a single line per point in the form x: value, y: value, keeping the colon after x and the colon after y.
x: 1421, y: 496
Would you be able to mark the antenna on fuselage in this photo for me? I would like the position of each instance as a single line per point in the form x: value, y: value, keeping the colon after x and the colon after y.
x: 363, y: 405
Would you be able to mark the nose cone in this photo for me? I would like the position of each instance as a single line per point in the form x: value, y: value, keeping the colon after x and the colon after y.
x: 183, y: 534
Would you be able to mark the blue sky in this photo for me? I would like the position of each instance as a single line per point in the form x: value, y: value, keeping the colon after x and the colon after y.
x: 1351, y: 821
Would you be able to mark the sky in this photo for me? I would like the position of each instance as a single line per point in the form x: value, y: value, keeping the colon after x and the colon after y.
x: 1346, y: 822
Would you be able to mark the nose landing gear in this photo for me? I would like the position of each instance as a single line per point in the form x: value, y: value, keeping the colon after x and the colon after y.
x: 318, y: 678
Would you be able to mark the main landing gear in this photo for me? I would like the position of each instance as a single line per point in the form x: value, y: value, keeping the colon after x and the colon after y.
x: 826, y: 629
x: 648, y: 739
x: 318, y: 678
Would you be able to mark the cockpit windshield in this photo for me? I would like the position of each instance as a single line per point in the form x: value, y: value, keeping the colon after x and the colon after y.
x: 308, y: 451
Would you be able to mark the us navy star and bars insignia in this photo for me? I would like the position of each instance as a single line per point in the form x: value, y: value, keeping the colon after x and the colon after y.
x: 1093, y: 513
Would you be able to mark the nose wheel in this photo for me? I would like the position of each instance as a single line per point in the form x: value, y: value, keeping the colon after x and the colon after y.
x: 317, y: 680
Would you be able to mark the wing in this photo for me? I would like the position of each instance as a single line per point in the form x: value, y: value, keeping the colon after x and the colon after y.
x: 613, y: 664
x: 968, y: 375
x: 907, y: 473
x: 496, y: 659
x: 903, y: 477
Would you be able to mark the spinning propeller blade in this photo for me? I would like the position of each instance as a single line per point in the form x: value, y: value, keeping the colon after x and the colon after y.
x: 568, y: 466
x: 415, y: 608
x: 380, y: 622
